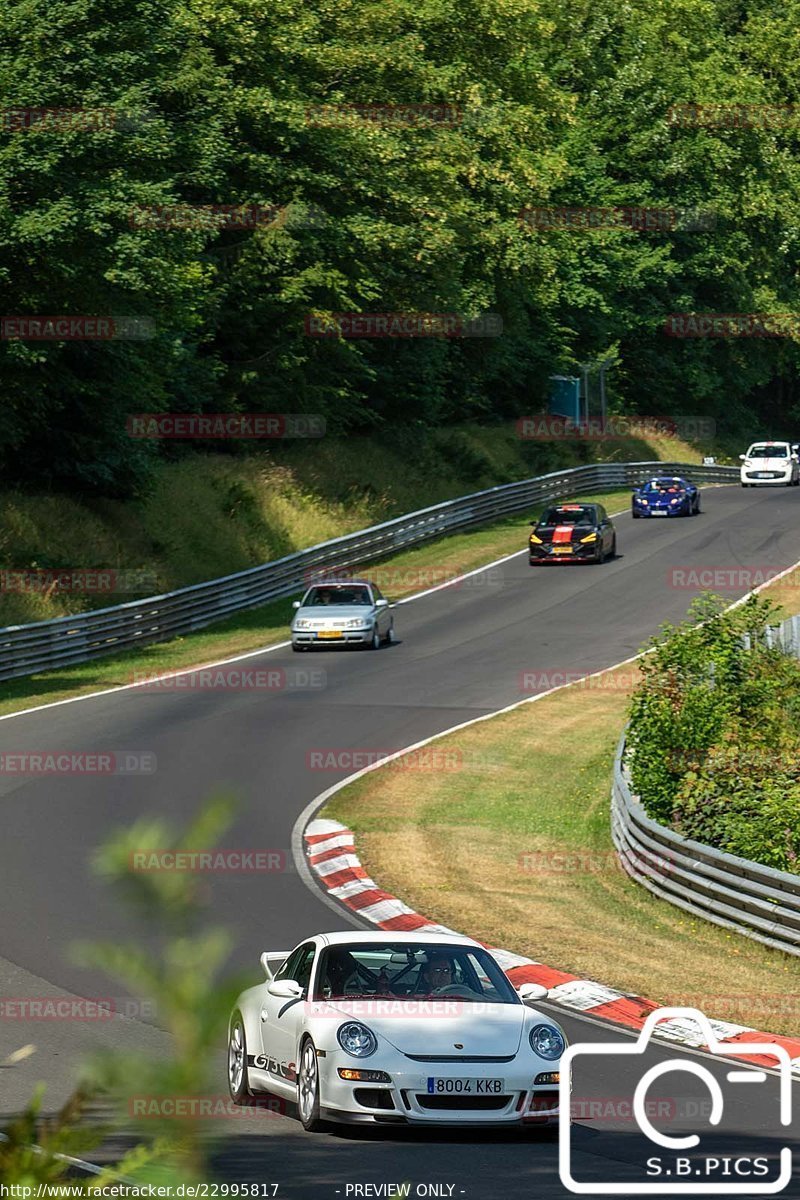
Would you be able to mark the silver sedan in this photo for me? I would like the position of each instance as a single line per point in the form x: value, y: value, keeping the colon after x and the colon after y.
x: 333, y: 613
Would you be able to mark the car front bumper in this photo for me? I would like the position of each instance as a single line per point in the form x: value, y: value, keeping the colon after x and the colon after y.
x: 677, y: 510
x: 349, y: 637
x: 578, y: 553
x: 755, y: 477
x: 405, y: 1098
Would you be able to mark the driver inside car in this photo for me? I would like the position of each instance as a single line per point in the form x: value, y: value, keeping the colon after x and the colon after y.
x: 436, y: 974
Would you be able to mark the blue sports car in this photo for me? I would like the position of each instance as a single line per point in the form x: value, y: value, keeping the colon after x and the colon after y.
x: 666, y: 496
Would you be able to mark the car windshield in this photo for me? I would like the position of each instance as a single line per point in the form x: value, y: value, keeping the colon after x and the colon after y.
x: 572, y: 515
x: 660, y: 487
x: 768, y: 450
x: 318, y: 596
x: 411, y: 971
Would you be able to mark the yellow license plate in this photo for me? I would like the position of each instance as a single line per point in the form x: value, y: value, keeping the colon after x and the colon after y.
x: 330, y: 633
x: 562, y: 550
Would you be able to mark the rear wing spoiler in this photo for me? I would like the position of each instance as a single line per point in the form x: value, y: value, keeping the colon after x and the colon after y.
x: 271, y: 960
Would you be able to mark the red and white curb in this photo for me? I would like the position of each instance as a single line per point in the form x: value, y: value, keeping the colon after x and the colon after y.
x: 331, y: 855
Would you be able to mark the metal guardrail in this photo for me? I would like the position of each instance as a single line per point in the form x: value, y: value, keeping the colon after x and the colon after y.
x: 66, y: 641
x: 754, y: 900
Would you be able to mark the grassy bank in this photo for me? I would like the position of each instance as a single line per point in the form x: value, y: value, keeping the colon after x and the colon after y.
x: 209, y: 515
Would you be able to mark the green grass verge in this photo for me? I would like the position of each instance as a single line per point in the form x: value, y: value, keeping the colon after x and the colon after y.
x: 399, y: 576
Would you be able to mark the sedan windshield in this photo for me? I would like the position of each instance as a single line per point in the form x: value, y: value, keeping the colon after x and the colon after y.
x: 318, y: 596
x: 411, y: 971
x: 568, y: 516
x: 765, y: 450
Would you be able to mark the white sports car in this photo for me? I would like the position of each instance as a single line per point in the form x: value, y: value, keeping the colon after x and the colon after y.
x: 409, y: 1028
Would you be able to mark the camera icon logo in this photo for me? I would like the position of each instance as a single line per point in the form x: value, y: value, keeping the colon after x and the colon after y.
x: 683, y: 1176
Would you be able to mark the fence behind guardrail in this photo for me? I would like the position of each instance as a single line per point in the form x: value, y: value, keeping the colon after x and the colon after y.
x: 65, y: 641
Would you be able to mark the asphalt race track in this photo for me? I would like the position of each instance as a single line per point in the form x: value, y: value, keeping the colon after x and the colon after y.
x: 462, y: 653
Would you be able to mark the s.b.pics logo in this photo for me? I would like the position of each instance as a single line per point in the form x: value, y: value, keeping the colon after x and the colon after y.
x: 691, y: 1143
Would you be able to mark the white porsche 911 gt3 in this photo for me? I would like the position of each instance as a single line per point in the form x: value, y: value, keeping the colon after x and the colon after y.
x: 412, y: 1028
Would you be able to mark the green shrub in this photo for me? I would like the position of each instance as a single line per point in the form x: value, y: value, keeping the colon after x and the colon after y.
x: 713, y: 734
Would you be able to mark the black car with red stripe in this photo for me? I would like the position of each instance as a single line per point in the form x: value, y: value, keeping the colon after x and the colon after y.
x: 572, y: 533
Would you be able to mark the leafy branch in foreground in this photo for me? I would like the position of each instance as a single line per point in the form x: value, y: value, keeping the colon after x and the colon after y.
x: 179, y: 972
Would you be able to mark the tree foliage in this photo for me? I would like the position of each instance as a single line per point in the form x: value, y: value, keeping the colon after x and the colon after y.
x: 220, y: 104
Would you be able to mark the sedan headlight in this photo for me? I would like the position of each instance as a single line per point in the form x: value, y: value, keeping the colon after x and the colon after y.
x: 643, y: 501
x: 356, y: 1039
x: 357, y: 623
x: 592, y: 537
x: 302, y: 624
x: 547, y: 1041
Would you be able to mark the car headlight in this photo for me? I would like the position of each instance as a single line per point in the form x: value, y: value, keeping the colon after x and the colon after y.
x: 676, y: 499
x: 592, y: 537
x: 536, y: 539
x: 302, y: 624
x: 356, y: 623
x: 356, y: 1039
x: 547, y: 1041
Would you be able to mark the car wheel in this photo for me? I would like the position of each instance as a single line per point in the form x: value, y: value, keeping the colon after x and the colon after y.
x: 391, y: 637
x: 308, y: 1088
x: 375, y: 643
x: 238, y: 1085
x: 635, y: 514
x: 298, y: 649
x: 745, y: 485
x: 613, y: 551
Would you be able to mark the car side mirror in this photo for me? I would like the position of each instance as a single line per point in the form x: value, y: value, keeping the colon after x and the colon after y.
x: 295, y: 604
x: 381, y: 603
x: 742, y: 457
x: 285, y: 989
x: 528, y: 992
x: 795, y: 447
